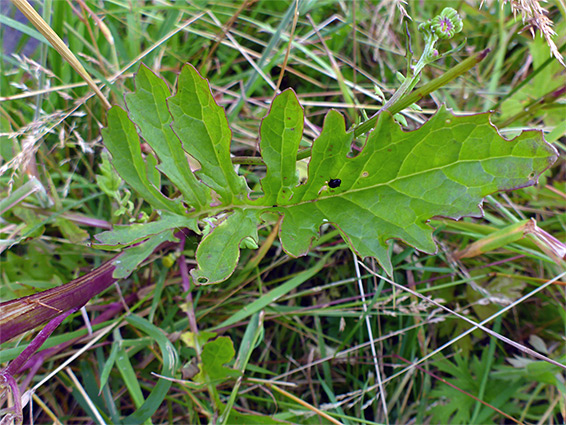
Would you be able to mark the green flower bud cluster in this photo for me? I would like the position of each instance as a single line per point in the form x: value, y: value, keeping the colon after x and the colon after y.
x: 447, y: 24
x: 443, y: 26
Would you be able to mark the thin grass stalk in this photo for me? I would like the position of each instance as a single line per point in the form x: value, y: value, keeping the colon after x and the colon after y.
x: 58, y: 44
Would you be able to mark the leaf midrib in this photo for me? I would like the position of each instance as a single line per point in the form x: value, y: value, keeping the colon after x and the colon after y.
x: 224, y: 207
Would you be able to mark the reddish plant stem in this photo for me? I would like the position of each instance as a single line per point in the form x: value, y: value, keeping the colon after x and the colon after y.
x: 24, y: 314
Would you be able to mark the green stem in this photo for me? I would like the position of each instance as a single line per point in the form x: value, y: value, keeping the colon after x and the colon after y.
x: 426, y: 56
x: 407, y: 86
x: 425, y: 90
x: 532, y: 107
x: 394, y: 108
x: 528, y: 79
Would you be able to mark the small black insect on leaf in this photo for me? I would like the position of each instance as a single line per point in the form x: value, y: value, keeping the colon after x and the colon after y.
x: 334, y: 183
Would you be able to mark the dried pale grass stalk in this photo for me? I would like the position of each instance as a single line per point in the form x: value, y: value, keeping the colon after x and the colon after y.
x: 58, y: 44
x: 532, y: 12
x: 383, y: 18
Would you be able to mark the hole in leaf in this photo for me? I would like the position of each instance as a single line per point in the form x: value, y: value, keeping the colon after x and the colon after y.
x: 202, y: 280
x: 355, y: 148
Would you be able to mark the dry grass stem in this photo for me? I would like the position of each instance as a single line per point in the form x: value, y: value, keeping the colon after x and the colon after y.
x: 535, y: 15
x: 58, y: 44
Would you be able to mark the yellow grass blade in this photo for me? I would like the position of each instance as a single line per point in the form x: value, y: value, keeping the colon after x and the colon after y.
x: 44, y: 28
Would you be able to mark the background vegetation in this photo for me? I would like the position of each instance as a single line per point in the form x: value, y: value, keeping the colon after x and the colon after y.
x: 321, y: 314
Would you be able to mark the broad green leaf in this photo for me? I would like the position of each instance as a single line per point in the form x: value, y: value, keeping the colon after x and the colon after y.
x: 390, y: 190
x: 215, y: 354
x: 203, y: 129
x: 148, y: 108
x: 218, y: 253
x: 402, y: 179
x: 281, y: 133
x: 122, y: 140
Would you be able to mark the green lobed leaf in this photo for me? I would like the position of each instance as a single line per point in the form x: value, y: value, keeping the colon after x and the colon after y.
x: 281, y: 134
x: 400, y: 180
x: 202, y: 127
x: 148, y: 108
x: 126, y: 235
x: 390, y: 190
x: 217, y: 255
x: 122, y: 140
